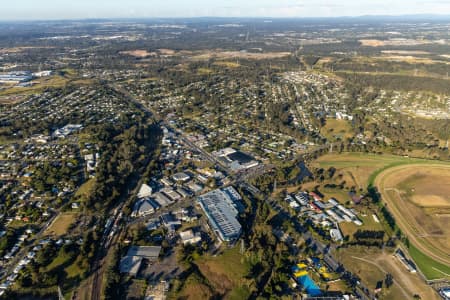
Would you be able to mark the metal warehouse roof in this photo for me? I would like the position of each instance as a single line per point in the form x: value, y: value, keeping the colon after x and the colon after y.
x: 144, y: 251
x: 219, y: 208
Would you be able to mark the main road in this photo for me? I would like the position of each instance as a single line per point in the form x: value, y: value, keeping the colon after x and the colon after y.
x: 242, y: 181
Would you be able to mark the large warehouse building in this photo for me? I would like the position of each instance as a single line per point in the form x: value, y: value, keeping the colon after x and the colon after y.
x: 222, y: 209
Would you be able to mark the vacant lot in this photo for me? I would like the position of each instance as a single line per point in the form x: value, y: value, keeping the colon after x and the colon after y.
x: 61, y: 224
x: 418, y: 197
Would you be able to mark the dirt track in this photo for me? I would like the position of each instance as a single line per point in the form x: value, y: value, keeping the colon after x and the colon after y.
x: 407, y: 223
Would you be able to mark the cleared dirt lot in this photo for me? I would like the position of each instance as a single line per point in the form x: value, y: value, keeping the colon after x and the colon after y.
x: 419, y: 198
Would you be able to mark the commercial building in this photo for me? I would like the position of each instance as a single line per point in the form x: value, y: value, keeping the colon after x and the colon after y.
x: 181, y: 177
x: 236, y: 160
x: 188, y: 237
x: 222, y: 210
x: 142, y: 208
x: 144, y: 191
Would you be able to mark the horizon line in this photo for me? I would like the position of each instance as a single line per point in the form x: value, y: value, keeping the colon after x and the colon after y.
x: 426, y: 16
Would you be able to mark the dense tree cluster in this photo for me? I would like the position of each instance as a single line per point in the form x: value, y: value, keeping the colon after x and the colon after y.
x: 124, y: 151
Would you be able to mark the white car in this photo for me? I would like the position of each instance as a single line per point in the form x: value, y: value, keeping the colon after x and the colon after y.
x: 12, y: 277
x: 18, y: 268
x: 31, y: 254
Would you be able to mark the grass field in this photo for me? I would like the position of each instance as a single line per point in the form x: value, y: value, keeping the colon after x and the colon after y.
x: 73, y: 270
x: 226, y: 273
x: 418, y: 197
x: 85, y: 189
x: 337, y: 128
x: 372, y: 265
x: 360, y: 168
x: 227, y: 64
x: 58, y: 261
x: 222, y: 275
x: 204, y: 71
x: 368, y: 224
x: 429, y: 267
x: 61, y: 224
x: 69, y: 264
x: 194, y: 289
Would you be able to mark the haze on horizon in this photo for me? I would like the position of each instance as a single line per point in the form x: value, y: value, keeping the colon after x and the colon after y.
x: 88, y: 9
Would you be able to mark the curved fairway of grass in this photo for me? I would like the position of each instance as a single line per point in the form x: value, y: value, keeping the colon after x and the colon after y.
x: 429, y: 267
x: 403, y: 161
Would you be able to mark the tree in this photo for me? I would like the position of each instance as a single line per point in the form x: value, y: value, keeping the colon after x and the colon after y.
x: 389, y: 280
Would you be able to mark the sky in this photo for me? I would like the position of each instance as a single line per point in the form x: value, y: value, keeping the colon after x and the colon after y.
x: 87, y: 9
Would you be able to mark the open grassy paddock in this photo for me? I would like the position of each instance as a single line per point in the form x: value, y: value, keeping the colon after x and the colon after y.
x: 220, y: 275
x: 337, y: 129
x: 360, y: 169
x: 85, y: 189
x: 372, y: 265
x: 226, y: 273
x: 61, y: 224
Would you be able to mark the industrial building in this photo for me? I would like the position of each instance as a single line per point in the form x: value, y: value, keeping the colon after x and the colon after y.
x: 149, y: 252
x: 131, y: 263
x: 222, y: 210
